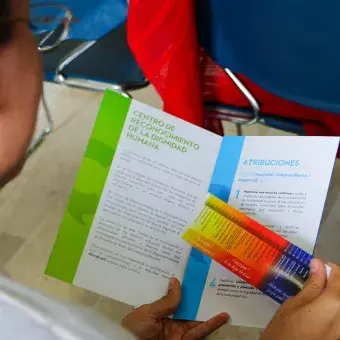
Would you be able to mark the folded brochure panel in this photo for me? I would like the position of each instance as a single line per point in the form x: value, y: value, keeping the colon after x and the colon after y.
x: 248, y: 249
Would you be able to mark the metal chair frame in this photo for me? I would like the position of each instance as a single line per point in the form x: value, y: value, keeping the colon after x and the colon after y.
x: 61, y: 78
x: 238, y: 117
x: 92, y: 85
x: 42, y: 47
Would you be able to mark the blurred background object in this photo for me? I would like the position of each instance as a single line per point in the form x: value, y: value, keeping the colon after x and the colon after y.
x: 84, y: 45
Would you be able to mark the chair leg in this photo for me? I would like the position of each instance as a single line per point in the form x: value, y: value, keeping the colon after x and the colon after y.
x: 91, y: 85
x: 38, y: 140
x: 72, y: 55
x: 48, y: 115
x: 239, y: 131
x: 251, y: 99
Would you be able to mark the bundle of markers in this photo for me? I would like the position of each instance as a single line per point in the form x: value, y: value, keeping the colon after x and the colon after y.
x: 250, y: 250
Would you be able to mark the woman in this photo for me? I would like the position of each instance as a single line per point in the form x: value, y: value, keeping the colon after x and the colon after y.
x: 24, y: 314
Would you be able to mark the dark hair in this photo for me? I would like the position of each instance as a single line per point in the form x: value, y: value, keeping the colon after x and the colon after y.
x: 5, y: 22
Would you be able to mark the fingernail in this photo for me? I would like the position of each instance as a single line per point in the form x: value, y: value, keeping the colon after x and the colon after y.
x: 314, y: 266
x: 225, y: 316
x: 171, y: 283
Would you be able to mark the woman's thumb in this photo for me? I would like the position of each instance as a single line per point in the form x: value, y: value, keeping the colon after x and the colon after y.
x: 168, y: 303
x: 315, y: 284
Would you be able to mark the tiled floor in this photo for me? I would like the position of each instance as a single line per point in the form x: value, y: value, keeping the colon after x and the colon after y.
x: 32, y: 206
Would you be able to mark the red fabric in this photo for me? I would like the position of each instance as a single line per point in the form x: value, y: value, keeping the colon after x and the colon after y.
x: 162, y: 36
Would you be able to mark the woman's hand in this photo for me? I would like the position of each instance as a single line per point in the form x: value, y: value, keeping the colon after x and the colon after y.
x: 314, y: 314
x: 151, y: 322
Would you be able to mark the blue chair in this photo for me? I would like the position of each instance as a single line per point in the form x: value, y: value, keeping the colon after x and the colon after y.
x: 84, y: 45
x: 89, y: 48
x: 90, y: 19
x: 289, y: 48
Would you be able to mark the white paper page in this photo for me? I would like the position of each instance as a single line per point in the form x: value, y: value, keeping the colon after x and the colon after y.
x: 149, y: 198
x: 289, y: 199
